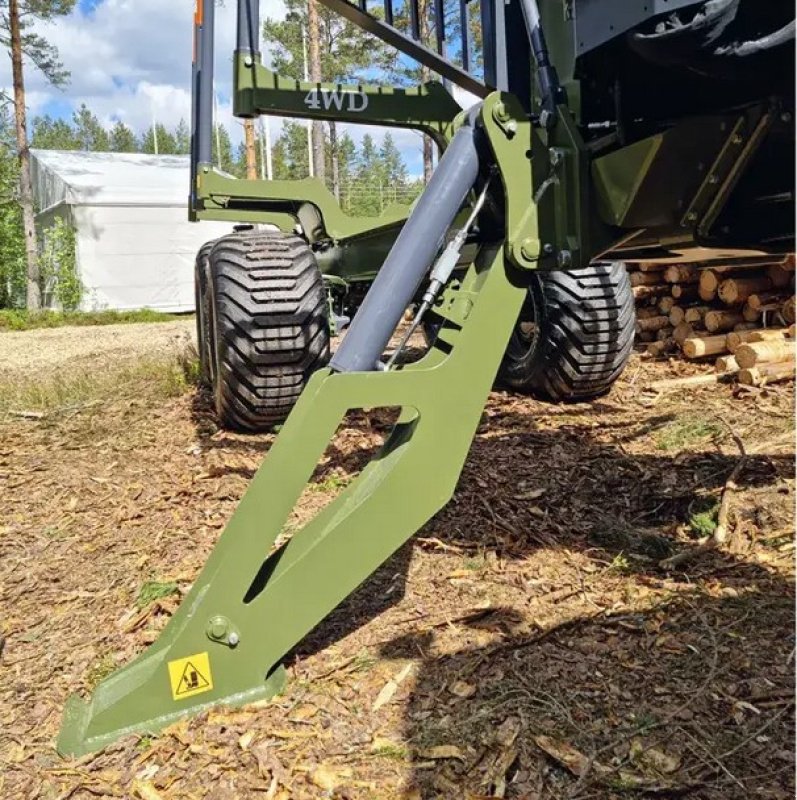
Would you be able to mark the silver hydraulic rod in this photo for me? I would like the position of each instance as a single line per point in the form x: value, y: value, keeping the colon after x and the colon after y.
x: 441, y: 272
x: 204, y: 120
x: 411, y: 255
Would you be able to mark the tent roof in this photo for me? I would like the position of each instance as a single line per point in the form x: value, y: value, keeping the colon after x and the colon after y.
x: 79, y: 178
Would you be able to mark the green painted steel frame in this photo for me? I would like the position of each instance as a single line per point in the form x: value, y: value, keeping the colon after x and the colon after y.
x: 250, y: 606
x: 258, y: 90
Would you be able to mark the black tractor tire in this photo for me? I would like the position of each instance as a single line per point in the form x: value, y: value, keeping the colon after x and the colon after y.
x: 270, y: 323
x: 202, y: 312
x: 574, y: 334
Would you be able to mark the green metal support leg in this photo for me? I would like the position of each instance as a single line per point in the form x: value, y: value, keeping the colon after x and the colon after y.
x: 246, y: 610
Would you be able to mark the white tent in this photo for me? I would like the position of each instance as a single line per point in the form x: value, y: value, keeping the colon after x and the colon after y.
x: 135, y: 246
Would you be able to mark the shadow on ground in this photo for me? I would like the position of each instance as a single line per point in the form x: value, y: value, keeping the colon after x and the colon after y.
x: 645, y: 683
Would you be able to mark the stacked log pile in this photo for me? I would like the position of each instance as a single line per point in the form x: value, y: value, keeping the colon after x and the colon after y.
x: 739, y: 318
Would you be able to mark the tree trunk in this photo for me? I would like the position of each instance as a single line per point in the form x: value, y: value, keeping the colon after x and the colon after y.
x: 250, y: 149
x: 335, y: 158
x: 314, y: 46
x: 426, y: 75
x: 33, y: 295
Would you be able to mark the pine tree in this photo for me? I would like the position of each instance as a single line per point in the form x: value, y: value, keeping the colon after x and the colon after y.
x: 182, y: 138
x: 346, y: 53
x: 222, y: 149
x: 367, y: 193
x: 122, y: 139
x: 393, y: 170
x: 53, y: 134
x: 290, y: 157
x: 16, y: 19
x: 158, y: 140
x: 12, y: 240
x: 89, y: 133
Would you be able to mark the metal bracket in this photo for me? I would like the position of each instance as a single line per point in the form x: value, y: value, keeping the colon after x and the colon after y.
x: 742, y: 143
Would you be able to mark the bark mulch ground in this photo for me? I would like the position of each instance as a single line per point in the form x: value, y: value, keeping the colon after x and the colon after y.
x: 527, y: 643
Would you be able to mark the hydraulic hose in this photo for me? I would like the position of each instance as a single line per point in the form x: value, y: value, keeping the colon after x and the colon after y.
x: 411, y: 255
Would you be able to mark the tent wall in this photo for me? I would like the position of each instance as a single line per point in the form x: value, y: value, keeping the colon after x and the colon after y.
x: 133, y: 257
x: 135, y: 247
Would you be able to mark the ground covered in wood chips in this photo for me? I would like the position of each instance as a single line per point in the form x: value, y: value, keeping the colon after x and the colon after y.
x: 527, y: 643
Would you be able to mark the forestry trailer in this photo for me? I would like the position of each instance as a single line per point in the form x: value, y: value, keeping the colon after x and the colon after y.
x: 604, y: 131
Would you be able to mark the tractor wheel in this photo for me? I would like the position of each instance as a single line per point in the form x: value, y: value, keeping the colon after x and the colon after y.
x: 574, y: 334
x: 270, y: 326
x: 202, y: 311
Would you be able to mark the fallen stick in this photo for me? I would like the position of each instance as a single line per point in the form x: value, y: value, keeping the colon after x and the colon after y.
x: 694, y: 380
x: 720, y: 535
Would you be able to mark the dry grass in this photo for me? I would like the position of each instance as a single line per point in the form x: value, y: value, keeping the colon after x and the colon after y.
x: 46, y: 395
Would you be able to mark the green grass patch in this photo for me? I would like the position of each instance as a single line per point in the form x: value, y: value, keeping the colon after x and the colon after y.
x: 685, y: 432
x: 154, y: 590
x: 704, y: 522
x: 476, y: 564
x: 332, y: 483
x: 20, y: 320
x: 148, y: 378
x: 101, y: 670
x: 363, y: 661
x: 394, y: 752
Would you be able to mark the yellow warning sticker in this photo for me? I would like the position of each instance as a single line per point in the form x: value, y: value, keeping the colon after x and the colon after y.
x: 189, y: 676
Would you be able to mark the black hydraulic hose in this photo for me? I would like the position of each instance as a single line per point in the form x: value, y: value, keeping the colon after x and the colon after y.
x: 411, y: 255
x: 551, y: 92
x: 248, y: 26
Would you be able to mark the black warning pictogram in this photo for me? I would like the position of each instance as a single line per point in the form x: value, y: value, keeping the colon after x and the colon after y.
x: 191, y: 680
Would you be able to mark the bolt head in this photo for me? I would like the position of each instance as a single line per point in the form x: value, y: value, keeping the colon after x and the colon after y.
x: 547, y: 248
x: 530, y: 249
x: 233, y: 639
x: 500, y: 113
x: 217, y: 628
x: 248, y: 61
x: 564, y: 258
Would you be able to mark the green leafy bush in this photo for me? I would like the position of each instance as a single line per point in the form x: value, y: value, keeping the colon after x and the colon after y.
x: 58, y: 266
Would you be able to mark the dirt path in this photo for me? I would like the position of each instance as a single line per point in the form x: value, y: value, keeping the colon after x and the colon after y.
x: 49, y: 349
x: 526, y: 629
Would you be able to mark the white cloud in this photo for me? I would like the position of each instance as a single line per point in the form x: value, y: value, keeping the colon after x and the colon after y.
x: 131, y: 60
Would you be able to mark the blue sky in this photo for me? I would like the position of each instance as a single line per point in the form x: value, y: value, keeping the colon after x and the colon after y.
x: 131, y: 60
